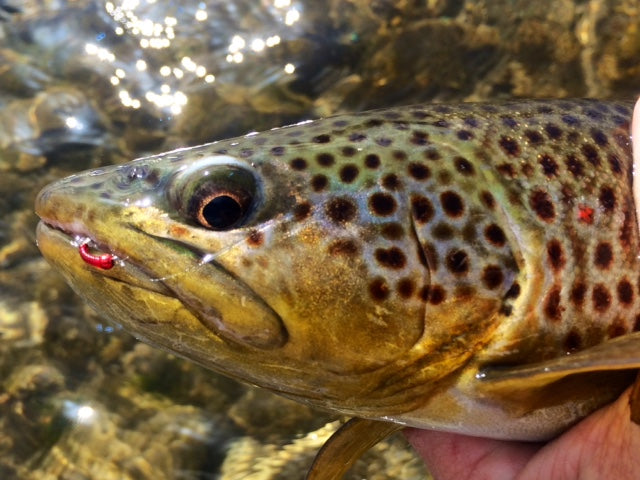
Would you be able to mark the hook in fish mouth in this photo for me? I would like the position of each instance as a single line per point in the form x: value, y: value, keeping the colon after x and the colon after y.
x: 105, y: 261
x: 89, y: 250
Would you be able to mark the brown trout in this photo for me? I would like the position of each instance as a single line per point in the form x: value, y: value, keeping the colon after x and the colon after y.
x: 471, y: 268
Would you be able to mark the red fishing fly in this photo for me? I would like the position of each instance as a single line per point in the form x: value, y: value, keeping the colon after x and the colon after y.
x: 104, y: 261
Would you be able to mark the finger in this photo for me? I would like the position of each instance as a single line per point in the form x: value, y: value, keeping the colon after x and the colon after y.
x: 452, y: 456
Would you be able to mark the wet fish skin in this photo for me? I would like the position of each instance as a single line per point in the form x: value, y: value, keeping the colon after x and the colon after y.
x: 383, y: 264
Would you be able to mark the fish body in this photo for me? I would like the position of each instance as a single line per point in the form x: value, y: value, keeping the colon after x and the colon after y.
x: 469, y: 268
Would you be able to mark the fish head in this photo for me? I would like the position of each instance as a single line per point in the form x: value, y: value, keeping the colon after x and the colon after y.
x: 280, y: 266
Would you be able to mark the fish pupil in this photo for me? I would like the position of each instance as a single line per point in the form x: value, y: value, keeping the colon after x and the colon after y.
x: 221, y: 212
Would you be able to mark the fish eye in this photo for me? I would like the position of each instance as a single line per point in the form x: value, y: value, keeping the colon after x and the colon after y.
x: 220, y: 210
x: 215, y: 195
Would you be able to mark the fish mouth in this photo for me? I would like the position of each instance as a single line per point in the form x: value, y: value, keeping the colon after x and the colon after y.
x: 223, y: 303
x: 64, y: 244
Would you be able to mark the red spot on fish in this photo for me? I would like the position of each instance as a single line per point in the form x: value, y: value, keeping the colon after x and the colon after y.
x: 104, y: 261
x: 585, y: 214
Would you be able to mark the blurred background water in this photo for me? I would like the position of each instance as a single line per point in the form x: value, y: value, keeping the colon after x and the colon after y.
x: 87, y: 83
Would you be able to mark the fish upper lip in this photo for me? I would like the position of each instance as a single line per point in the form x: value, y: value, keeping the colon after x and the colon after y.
x: 77, y: 235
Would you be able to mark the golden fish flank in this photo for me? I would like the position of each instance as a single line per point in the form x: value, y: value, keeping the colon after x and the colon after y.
x: 428, y: 265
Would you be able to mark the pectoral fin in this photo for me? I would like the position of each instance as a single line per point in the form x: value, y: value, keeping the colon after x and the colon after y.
x: 346, y: 445
x: 605, y: 367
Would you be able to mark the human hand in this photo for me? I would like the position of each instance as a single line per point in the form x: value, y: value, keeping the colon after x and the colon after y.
x: 604, y: 445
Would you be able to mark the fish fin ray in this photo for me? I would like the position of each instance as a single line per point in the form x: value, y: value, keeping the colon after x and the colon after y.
x: 609, y: 367
x: 346, y: 445
x: 621, y: 353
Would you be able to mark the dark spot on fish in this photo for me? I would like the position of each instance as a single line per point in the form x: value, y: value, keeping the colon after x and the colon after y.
x: 457, y: 262
x: 614, y: 163
x: 324, y: 138
x: 513, y: 292
x: 603, y: 255
x: 325, y: 159
x: 341, y: 209
x: 437, y: 295
x: 492, y: 276
x: 319, y: 182
x: 570, y: 120
x: 555, y: 254
x: 372, y: 161
x: 553, y: 131
x: 464, y: 135
x: 391, y: 182
x: 534, y: 137
x: 382, y: 204
x: 392, y: 231
x: 452, y: 203
x: 627, y: 230
x: 591, y: 154
x: 599, y: 137
x: 572, y: 342
x: 379, y: 289
x: 541, y: 203
x: 625, y: 292
x: 384, y: 141
x: 298, y: 163
x: 552, y: 307
x: 574, y: 166
x: 419, y: 171
x: 507, y: 170
x: 421, y: 208
x: 432, y: 155
x: 405, y: 287
x: 391, y: 258
x: 601, y: 298
x: 419, y: 138
x: 348, y: 173
x: 277, y: 151
x: 301, y: 211
x: 463, y: 166
x: 578, y: 293
x: 346, y: 247
x: 548, y: 164
x: 255, y: 239
x: 349, y: 151
x: 357, y: 137
x: 510, y: 146
x: 487, y: 199
x: 607, y: 199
